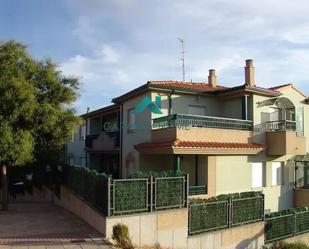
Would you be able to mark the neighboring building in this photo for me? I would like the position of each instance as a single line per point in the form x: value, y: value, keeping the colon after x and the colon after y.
x: 103, y: 140
x: 232, y: 139
x: 75, y: 149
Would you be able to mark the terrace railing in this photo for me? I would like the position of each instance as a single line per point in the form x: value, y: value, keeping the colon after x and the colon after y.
x: 198, y: 190
x: 186, y: 120
x: 281, y: 125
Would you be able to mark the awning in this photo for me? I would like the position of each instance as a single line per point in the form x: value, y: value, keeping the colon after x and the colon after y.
x: 287, y: 104
x: 195, y: 147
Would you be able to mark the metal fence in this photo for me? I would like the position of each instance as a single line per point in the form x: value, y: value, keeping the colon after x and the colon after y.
x: 285, y: 226
x: 208, y: 216
x: 186, y: 120
x: 127, y: 196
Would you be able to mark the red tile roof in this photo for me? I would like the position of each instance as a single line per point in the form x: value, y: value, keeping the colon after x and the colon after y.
x: 194, y: 144
x: 198, y: 86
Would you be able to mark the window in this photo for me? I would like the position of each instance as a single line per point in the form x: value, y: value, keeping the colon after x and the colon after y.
x: 197, y: 110
x: 131, y: 120
x: 82, y: 132
x: 276, y: 174
x: 257, y: 177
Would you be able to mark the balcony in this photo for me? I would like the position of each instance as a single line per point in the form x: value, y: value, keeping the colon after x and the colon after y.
x: 201, y: 128
x: 185, y: 120
x: 103, y: 142
x: 282, y: 138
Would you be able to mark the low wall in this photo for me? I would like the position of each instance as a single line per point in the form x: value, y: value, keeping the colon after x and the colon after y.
x: 168, y: 228
x: 301, y: 197
x: 74, y: 204
x: 249, y: 236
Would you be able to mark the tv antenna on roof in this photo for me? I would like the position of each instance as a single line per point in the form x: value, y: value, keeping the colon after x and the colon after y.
x: 182, y: 58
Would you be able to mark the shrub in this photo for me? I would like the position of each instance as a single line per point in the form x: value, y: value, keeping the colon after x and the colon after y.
x: 285, y: 245
x: 121, y: 236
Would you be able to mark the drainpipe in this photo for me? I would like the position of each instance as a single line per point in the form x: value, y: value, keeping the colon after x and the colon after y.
x: 178, y: 163
x: 170, y: 102
x: 121, y: 139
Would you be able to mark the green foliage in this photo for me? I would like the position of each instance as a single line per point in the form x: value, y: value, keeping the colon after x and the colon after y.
x: 155, y: 174
x: 169, y: 192
x: 285, y: 245
x: 286, y: 223
x: 212, y: 213
x: 35, y: 111
x: 88, y: 184
x: 208, y: 216
x: 121, y: 236
x: 130, y: 196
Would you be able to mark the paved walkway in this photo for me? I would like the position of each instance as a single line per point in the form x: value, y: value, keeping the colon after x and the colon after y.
x: 43, y: 225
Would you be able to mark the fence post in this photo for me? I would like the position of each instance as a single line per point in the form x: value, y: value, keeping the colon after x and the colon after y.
x: 263, y: 209
x: 230, y: 212
x: 108, y: 196
x: 187, y: 190
x: 295, y: 224
x: 151, y: 193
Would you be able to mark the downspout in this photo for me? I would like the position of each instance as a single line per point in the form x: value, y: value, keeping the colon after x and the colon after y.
x: 86, y: 153
x: 169, y: 112
x: 121, y: 139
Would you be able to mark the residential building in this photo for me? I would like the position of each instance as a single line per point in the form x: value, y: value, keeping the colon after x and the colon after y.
x: 103, y: 140
x: 74, y: 150
x: 228, y: 139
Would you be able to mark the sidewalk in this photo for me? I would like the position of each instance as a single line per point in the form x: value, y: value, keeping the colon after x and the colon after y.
x: 43, y: 225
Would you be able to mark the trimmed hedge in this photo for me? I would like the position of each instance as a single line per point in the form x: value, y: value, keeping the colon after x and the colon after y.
x: 91, y: 185
x: 214, y: 213
x: 286, y: 223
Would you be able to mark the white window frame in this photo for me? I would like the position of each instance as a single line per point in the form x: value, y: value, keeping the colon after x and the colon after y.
x: 257, y: 175
x: 276, y: 178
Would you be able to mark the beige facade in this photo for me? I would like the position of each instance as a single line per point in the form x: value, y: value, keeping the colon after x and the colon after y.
x: 233, y: 138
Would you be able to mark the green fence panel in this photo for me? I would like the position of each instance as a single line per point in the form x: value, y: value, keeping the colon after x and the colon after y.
x: 90, y: 185
x: 129, y: 196
x: 280, y: 227
x: 208, y: 216
x: 170, y: 192
x: 247, y: 210
x: 302, y: 222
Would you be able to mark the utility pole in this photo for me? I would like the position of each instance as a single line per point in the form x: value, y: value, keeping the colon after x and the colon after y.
x: 182, y: 58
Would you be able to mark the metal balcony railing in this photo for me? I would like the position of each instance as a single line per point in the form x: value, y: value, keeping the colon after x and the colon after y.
x: 186, y: 120
x: 281, y: 125
x: 198, y: 190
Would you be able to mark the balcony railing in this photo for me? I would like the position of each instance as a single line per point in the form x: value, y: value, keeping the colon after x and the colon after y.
x: 281, y: 125
x: 198, y: 190
x: 185, y: 120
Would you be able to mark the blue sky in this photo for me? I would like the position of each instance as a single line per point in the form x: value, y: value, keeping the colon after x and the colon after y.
x: 116, y: 45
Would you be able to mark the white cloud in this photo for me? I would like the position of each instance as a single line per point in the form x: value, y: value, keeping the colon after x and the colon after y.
x: 129, y: 42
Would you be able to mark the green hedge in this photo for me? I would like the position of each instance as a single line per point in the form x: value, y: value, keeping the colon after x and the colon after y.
x: 208, y: 216
x: 88, y: 184
x: 286, y: 223
x: 214, y: 213
x: 170, y: 192
x: 130, y: 196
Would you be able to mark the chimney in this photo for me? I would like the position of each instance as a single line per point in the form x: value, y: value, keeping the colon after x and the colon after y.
x: 212, y: 78
x: 249, y: 73
x: 88, y: 109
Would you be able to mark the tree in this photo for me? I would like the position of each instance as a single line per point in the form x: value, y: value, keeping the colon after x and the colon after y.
x: 36, y: 111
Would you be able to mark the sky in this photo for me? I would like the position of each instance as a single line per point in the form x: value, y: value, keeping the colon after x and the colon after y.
x: 113, y: 46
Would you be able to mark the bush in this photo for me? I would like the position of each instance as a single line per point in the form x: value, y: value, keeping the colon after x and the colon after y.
x: 285, y: 245
x: 121, y: 236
